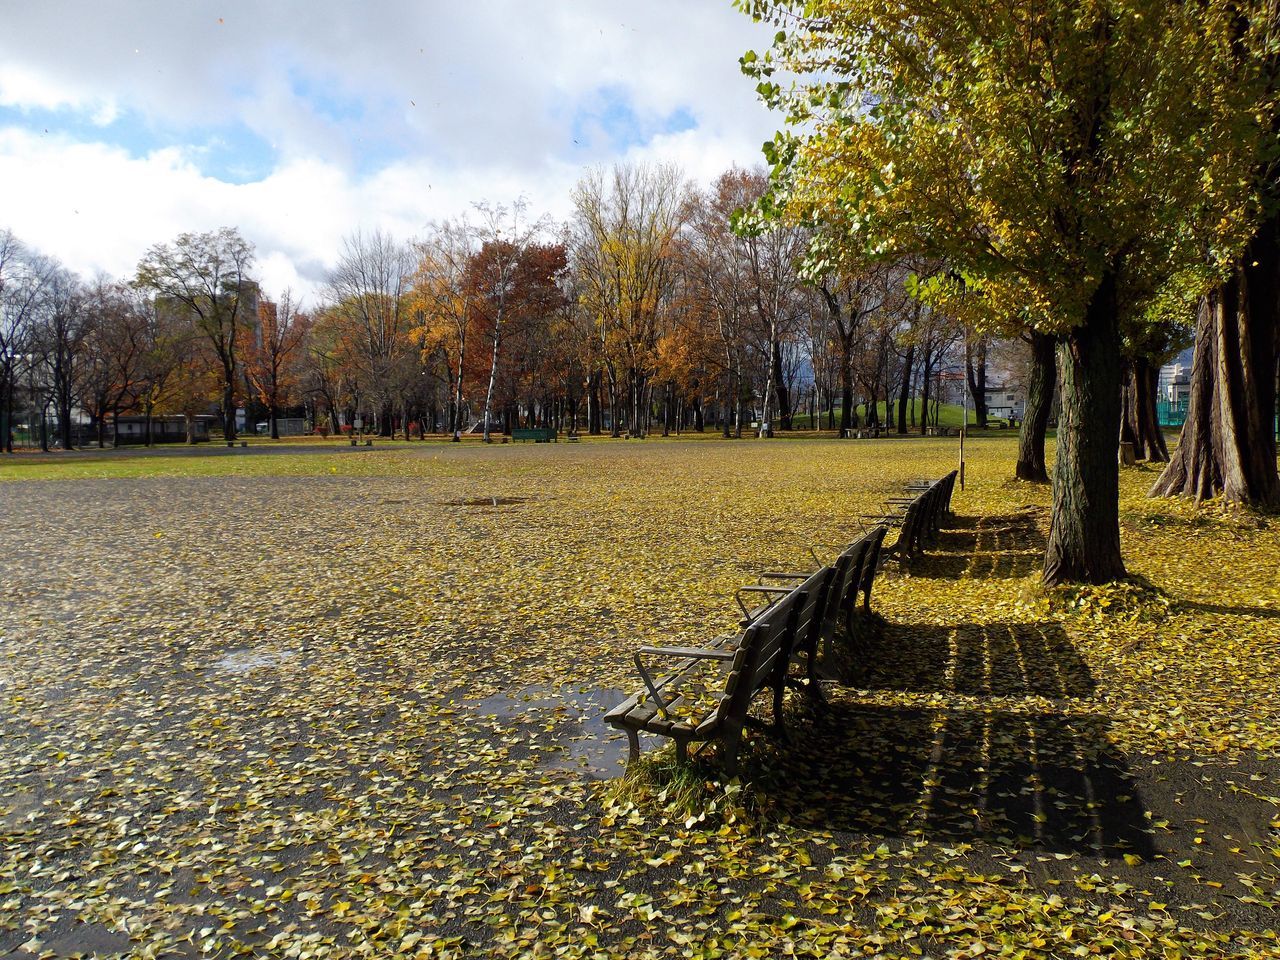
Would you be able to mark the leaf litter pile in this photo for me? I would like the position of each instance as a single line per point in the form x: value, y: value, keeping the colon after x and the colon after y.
x: 345, y: 706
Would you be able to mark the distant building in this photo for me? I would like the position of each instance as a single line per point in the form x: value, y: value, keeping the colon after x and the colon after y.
x: 1005, y: 401
x: 286, y: 426
x: 1173, y: 389
x: 167, y: 429
x: 1174, y: 385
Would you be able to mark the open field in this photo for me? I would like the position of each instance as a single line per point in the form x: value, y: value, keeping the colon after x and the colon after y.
x: 347, y: 704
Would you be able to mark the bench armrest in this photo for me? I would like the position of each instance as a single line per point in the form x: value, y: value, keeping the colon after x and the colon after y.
x: 784, y: 575
x: 773, y: 593
x: 888, y: 519
x: 689, y: 653
x: 837, y: 547
x: 685, y: 653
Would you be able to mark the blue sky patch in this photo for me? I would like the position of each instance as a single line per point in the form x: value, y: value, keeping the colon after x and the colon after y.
x: 610, y: 115
x: 324, y: 99
x: 229, y: 152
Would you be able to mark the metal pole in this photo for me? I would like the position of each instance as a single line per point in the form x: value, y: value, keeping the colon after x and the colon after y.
x: 964, y: 424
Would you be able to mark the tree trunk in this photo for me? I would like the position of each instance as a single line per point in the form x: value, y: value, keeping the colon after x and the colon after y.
x: 493, y: 377
x: 228, y: 407
x: 1149, y: 439
x: 781, y: 392
x: 456, y: 426
x: 846, y: 395
x: 1035, y: 420
x: 977, y: 376
x: 737, y: 404
x: 1128, y: 406
x: 926, y: 372
x: 905, y: 394
x: 766, y: 426
x: 1228, y: 443
x: 1084, y: 534
x: 64, y: 422
x: 7, y: 439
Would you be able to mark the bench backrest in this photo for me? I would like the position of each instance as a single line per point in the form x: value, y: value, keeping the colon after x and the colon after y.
x: 762, y: 654
x: 910, y: 532
x: 846, y: 589
x: 939, y: 496
x: 871, y: 563
x: 813, y: 612
x: 835, y: 590
x: 948, y: 488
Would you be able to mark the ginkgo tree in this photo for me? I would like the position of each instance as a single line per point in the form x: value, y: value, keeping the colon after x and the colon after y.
x: 1068, y: 154
x: 440, y: 306
x: 623, y: 242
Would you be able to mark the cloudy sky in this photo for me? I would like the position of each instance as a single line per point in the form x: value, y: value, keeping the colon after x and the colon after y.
x: 123, y: 125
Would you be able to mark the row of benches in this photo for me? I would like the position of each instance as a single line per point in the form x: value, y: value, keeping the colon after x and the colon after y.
x: 709, y: 696
x: 694, y: 703
x: 919, y: 517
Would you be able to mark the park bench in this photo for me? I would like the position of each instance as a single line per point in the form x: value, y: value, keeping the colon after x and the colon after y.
x: 919, y: 518
x: 851, y: 576
x: 710, y: 696
x: 688, y: 704
x: 536, y: 434
x: 820, y: 599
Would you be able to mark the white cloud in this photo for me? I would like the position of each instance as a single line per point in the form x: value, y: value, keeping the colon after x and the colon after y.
x: 376, y: 116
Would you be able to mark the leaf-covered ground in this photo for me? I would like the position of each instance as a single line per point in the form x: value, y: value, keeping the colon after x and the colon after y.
x: 348, y: 704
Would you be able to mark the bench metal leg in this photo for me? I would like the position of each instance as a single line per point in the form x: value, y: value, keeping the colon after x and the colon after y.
x: 634, y: 737
x: 682, y: 751
x: 779, y: 727
x: 730, y: 743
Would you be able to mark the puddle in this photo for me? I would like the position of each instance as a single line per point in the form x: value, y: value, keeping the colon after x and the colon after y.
x: 486, y: 501
x: 587, y: 744
x: 243, y: 661
x: 91, y: 941
x: 24, y: 808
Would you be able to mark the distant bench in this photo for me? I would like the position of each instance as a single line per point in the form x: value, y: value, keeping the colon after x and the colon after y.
x: 919, y: 516
x: 536, y: 434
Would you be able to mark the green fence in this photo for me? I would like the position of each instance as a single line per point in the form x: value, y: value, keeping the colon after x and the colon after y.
x: 1171, y: 413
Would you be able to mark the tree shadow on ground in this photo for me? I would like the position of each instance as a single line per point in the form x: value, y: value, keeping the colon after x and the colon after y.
x: 1009, y: 761
x: 1019, y: 779
x: 1265, y: 613
x: 969, y: 659
x: 1002, y: 547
